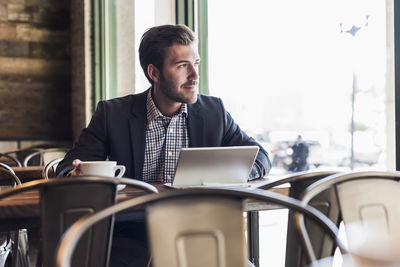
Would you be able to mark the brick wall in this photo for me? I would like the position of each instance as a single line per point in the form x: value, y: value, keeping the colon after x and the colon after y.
x: 35, y: 75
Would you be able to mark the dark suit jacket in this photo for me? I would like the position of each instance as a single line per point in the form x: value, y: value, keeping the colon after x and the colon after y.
x: 117, y: 130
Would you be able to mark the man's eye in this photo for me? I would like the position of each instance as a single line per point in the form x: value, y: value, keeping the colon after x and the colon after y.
x: 182, y: 65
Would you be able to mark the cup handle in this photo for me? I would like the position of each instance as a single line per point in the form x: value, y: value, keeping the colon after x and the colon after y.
x: 121, y: 169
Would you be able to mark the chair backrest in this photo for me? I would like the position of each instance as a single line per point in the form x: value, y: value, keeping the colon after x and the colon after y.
x: 325, y: 203
x: 50, y: 168
x: 9, y: 160
x: 10, y: 245
x: 63, y: 204
x: 21, y: 153
x: 367, y: 197
x: 205, y: 238
x: 45, y: 156
x: 6, y: 169
x: 64, y: 200
x: 193, y: 227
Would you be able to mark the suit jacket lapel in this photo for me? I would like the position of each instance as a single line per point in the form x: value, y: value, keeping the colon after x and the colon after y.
x: 137, y: 126
x: 196, y: 126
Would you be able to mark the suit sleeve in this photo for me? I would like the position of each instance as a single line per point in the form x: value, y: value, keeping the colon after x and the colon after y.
x: 234, y: 136
x: 92, y: 143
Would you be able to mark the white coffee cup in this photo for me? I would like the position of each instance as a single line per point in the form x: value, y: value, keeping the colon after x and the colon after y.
x: 103, y: 168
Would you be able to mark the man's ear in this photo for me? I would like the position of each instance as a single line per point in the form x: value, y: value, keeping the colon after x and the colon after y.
x: 153, y: 72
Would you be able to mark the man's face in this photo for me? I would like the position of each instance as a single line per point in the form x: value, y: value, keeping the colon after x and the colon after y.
x: 179, y: 77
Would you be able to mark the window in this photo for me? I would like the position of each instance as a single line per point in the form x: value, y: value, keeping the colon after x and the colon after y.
x: 322, y: 70
x: 319, y: 69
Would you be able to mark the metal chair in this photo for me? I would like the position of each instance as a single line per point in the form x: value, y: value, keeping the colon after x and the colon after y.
x: 64, y: 200
x: 325, y: 203
x: 10, y: 160
x: 13, y: 244
x: 21, y: 153
x: 304, y: 178
x: 51, y: 166
x: 366, y: 197
x: 193, y: 227
x: 9, y: 169
x: 6, y: 169
x: 45, y: 155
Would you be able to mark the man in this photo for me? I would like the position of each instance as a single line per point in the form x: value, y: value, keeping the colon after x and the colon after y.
x: 299, y: 156
x: 145, y: 132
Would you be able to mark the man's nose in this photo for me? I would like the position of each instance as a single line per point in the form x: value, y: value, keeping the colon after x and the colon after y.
x: 194, y: 72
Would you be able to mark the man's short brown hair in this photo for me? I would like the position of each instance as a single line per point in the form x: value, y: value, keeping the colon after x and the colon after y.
x: 157, y: 39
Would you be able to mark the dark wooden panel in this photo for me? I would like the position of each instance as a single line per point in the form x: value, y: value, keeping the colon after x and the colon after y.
x: 17, y: 12
x: 35, y: 110
x: 50, y: 50
x: 14, y: 49
x: 45, y: 3
x: 3, y: 11
x: 50, y: 16
x: 34, y: 50
x: 8, y: 31
x: 35, y: 69
x: 32, y: 33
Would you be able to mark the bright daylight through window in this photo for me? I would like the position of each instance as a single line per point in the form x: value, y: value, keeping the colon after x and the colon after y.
x: 319, y: 69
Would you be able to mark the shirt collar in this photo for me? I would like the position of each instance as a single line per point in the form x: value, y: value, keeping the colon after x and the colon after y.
x: 153, y: 112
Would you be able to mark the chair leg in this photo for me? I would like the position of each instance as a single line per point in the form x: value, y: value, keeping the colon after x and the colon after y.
x: 14, y: 248
x: 150, y: 258
x: 23, y: 248
x: 253, y: 237
x: 39, y: 262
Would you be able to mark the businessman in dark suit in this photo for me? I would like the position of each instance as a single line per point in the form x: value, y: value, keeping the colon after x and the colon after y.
x: 145, y: 132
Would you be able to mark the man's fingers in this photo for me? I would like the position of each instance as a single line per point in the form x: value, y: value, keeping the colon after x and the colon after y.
x: 76, y: 171
x: 76, y: 162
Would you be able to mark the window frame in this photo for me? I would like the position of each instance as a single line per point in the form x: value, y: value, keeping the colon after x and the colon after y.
x: 193, y: 13
x: 397, y: 79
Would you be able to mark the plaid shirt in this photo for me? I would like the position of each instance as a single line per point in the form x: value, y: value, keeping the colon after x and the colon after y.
x: 165, y: 137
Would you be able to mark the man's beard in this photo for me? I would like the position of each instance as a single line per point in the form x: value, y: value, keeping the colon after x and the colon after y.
x: 182, y: 96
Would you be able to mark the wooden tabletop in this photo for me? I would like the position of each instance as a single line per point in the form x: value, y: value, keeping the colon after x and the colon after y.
x: 26, y: 204
x: 29, y: 173
x: 25, y: 174
x: 7, y: 161
x: 23, y: 209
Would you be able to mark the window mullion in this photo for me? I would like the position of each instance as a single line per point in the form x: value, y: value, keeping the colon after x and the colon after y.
x: 185, y: 14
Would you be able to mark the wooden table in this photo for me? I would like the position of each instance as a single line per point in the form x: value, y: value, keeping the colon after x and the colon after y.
x: 22, y: 210
x: 7, y: 161
x: 26, y: 174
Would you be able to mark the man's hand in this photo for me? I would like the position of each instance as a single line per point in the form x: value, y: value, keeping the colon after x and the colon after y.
x: 76, y: 171
x: 257, y: 171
